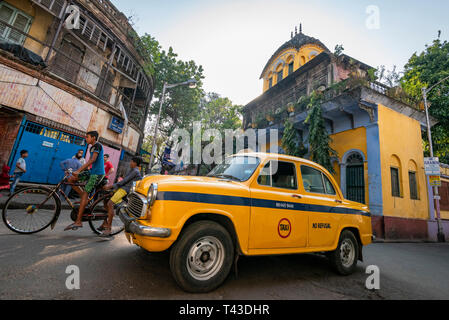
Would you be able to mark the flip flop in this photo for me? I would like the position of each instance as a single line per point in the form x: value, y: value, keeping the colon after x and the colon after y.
x: 100, y: 228
x: 72, y: 227
x: 106, y: 234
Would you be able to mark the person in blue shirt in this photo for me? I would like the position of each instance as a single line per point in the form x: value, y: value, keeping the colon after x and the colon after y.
x: 72, y: 163
x: 92, y: 176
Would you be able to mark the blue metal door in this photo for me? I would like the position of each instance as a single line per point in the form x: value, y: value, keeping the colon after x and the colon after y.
x: 46, y: 147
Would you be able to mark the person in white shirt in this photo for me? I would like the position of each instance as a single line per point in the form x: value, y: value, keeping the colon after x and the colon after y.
x: 19, y: 169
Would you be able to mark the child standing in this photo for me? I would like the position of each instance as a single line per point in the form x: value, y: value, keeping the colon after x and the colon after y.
x: 19, y: 170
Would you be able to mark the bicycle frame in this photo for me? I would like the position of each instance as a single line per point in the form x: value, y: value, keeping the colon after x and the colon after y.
x: 55, y: 192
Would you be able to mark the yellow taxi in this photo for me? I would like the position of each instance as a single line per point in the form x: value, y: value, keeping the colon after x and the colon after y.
x: 252, y: 204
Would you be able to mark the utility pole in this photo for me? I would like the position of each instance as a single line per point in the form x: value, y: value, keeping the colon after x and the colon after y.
x: 440, y: 234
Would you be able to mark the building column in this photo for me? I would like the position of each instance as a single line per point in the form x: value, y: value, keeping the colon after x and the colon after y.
x: 343, y: 179
x: 374, y: 169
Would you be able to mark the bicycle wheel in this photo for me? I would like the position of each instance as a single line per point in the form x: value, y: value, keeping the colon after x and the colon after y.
x: 99, y: 215
x: 31, y: 210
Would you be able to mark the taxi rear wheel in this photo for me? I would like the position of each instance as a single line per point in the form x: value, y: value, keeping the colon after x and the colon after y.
x: 202, y: 258
x: 344, y: 258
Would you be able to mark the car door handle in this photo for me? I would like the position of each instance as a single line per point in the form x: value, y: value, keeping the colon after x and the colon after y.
x: 296, y: 196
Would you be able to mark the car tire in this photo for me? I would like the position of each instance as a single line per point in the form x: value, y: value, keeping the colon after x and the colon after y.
x: 344, y: 258
x: 202, y: 257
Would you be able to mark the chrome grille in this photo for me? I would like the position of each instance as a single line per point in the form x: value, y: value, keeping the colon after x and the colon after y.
x: 136, y: 205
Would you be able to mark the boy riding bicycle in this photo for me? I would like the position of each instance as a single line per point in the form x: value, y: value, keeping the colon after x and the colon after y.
x: 122, y: 189
x: 93, y: 176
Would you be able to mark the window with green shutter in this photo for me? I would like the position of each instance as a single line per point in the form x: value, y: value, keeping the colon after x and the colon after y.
x: 413, y: 185
x: 290, y: 68
x: 279, y: 77
x: 395, y: 186
x: 16, y: 18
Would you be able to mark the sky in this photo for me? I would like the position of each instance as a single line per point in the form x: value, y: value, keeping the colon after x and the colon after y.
x: 234, y: 39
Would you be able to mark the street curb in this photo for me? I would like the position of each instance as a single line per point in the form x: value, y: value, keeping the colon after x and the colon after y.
x: 402, y: 241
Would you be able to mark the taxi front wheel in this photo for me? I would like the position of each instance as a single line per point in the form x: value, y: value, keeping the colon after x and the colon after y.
x: 344, y: 258
x: 202, y: 258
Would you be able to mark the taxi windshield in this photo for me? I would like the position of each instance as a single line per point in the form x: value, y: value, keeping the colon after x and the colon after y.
x: 239, y: 168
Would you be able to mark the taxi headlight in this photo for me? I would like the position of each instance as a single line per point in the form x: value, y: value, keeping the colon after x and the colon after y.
x: 152, y: 194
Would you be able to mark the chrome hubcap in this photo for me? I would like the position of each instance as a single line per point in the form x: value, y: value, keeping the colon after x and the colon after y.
x: 205, y: 258
x: 347, y: 253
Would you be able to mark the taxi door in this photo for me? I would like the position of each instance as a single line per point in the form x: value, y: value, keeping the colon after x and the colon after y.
x: 276, y: 219
x: 323, y: 199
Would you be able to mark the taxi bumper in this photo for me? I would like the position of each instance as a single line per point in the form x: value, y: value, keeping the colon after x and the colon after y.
x: 133, y: 226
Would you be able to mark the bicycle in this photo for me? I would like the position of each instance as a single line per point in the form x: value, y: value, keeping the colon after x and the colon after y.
x: 33, y: 209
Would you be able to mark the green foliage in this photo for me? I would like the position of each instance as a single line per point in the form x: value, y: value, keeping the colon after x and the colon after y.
x: 319, y: 140
x: 291, y: 141
x: 425, y: 70
x: 372, y: 76
x: 219, y: 113
x: 338, y: 50
x: 302, y: 103
x: 181, y: 104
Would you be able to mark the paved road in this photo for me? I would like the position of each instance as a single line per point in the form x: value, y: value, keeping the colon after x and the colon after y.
x: 33, y: 267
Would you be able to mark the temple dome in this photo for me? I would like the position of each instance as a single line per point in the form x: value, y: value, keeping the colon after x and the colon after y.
x: 296, y: 42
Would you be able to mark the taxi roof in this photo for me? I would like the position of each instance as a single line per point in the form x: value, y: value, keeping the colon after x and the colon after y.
x: 264, y: 155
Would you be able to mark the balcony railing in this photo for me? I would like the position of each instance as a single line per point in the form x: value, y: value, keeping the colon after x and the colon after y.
x: 70, y: 66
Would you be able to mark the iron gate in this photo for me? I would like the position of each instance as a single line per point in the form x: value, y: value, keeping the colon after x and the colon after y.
x: 46, y: 147
x: 355, y: 183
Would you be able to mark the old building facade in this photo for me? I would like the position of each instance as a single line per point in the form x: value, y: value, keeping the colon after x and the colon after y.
x: 376, y: 131
x: 59, y: 81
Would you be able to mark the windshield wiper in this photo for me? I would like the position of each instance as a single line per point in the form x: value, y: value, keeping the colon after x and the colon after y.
x: 226, y: 176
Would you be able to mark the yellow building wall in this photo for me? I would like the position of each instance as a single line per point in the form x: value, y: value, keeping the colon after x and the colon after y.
x: 444, y: 214
x: 345, y: 141
x: 299, y: 58
x: 41, y: 21
x: 400, y: 143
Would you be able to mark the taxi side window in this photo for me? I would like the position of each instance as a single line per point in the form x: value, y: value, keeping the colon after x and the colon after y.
x: 278, y: 174
x: 315, y: 181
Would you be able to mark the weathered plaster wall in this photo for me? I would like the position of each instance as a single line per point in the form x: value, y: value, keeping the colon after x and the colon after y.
x: 401, y: 143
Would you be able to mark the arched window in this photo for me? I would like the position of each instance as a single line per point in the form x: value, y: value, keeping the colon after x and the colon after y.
x: 279, y: 69
x: 290, y: 64
x: 413, y: 180
x: 313, y: 54
x: 395, y: 175
x: 270, y: 79
x: 355, y: 178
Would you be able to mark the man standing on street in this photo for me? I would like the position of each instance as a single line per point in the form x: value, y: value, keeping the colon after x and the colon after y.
x: 74, y: 164
x: 19, y: 170
x: 80, y: 157
x: 92, y: 176
x: 108, y: 167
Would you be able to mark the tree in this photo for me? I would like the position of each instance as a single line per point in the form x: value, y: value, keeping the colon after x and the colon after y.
x: 425, y: 70
x: 181, y: 104
x: 319, y: 139
x: 221, y: 114
x: 291, y: 141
